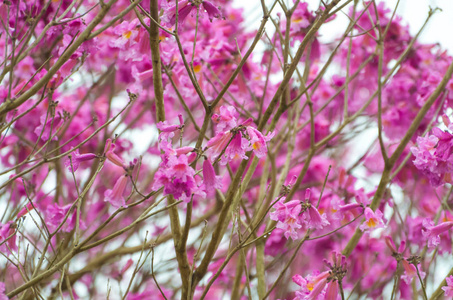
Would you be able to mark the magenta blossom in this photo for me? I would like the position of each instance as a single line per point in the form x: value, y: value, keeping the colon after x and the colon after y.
x: 166, y: 130
x: 186, y: 7
x: 226, y: 119
x: 27, y: 208
x: 287, y: 217
x: 112, y: 156
x: 258, y: 141
x: 115, y: 196
x: 410, y: 271
x: 76, y: 159
x: 432, y: 232
x: 433, y: 156
x: 8, y: 233
x: 177, y: 177
x: 56, y: 214
x: 312, y: 286
x: 210, y: 180
x: 312, y: 217
x: 449, y: 288
x: 373, y: 220
x: 2, y: 292
x: 391, y: 245
x: 48, y: 130
x: 235, y: 143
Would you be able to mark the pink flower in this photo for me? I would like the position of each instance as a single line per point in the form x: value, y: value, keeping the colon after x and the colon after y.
x: 433, y: 156
x: 233, y: 140
x: 312, y: 217
x: 127, y: 31
x: 226, y: 119
x: 210, y: 180
x: 315, y: 219
x: 410, y: 271
x: 167, y: 131
x: 115, y: 196
x: 237, y: 148
x: 219, y: 141
x: 8, y: 232
x: 45, y: 131
x: 287, y: 215
x: 373, y: 220
x: 25, y: 210
x: 317, y: 290
x: 56, y: 214
x: 432, y: 232
x: 2, y: 292
x: 312, y: 286
x: 213, y: 12
x: 185, y: 8
x: 449, y: 288
x: 76, y: 159
x: 391, y: 245
x: 258, y: 141
x: 177, y: 178
x: 113, y: 157
x: 332, y: 290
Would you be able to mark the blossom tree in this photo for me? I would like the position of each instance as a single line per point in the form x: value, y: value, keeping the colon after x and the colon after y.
x: 164, y: 149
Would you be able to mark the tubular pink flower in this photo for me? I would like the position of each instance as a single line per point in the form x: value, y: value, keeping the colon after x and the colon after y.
x: 237, y: 147
x: 373, y: 220
x: 55, y: 214
x: 164, y: 127
x: 410, y: 271
x: 312, y: 217
x: 141, y: 76
x: 213, y: 12
x: 112, y: 157
x: 76, y: 159
x: 29, y: 207
x: 181, y: 120
x: 115, y: 196
x: 348, y: 207
x: 50, y: 128
x: 8, y: 231
x: 226, y: 119
x: 108, y: 144
x: 258, y: 141
x: 210, y: 180
x: 317, y: 289
x: 449, y: 288
x: 177, y: 178
x: 391, y: 245
x: 184, y: 9
x: 184, y: 150
x: 315, y: 218
x: 332, y: 290
x: 2, y: 292
x: 432, y: 232
x: 287, y: 215
x: 218, y: 143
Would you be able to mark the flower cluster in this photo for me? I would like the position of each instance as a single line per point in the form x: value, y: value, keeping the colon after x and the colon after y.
x: 324, y: 285
x: 259, y: 149
x: 233, y: 139
x: 291, y: 215
x: 433, y: 156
